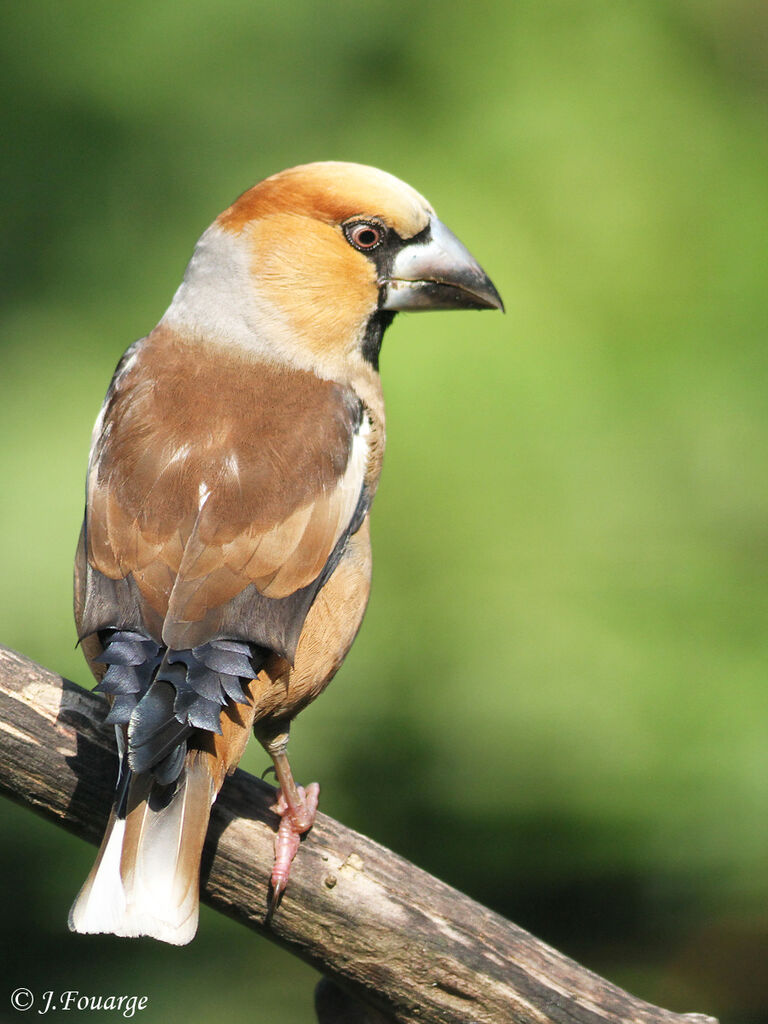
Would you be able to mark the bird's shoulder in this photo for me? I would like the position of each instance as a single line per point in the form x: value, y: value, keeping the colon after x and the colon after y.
x: 183, y: 418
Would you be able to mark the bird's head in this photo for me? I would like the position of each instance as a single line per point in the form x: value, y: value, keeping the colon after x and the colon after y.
x: 311, y: 264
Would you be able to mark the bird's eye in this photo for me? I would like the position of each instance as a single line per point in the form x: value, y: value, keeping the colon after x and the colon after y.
x: 364, y: 235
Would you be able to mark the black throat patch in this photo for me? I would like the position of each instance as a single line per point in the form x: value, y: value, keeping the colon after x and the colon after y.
x: 374, y: 334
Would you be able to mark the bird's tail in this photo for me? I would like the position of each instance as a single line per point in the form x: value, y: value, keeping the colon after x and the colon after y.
x: 146, y: 877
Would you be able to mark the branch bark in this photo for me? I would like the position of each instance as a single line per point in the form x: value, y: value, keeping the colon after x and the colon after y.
x: 394, y: 943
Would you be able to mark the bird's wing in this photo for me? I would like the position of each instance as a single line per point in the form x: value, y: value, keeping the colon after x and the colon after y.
x: 217, y: 510
x: 257, y: 580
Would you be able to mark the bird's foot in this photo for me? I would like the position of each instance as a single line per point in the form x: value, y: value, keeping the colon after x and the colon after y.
x: 295, y: 819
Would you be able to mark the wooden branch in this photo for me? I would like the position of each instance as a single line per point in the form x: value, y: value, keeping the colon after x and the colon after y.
x: 394, y: 943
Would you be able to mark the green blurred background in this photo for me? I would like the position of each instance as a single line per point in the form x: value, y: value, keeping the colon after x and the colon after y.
x: 557, y: 702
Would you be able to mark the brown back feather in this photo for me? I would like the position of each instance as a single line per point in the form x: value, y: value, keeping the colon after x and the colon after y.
x: 268, y: 444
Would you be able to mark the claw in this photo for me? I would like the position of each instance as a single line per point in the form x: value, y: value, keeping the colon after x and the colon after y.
x: 269, y: 770
x: 275, y: 896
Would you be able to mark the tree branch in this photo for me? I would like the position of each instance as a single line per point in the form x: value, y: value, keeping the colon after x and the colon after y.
x: 394, y: 943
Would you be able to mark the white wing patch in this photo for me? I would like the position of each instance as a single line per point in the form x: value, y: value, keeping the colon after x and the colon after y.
x: 357, y: 467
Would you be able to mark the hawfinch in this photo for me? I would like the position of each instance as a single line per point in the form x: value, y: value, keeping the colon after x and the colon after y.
x: 224, y: 563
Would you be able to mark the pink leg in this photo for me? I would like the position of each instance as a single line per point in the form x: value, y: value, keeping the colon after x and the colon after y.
x: 295, y: 805
x: 294, y: 822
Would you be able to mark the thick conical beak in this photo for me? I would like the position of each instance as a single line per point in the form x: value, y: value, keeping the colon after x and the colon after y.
x: 437, y: 273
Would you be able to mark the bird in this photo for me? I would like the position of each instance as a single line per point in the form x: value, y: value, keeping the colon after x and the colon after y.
x: 224, y: 562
